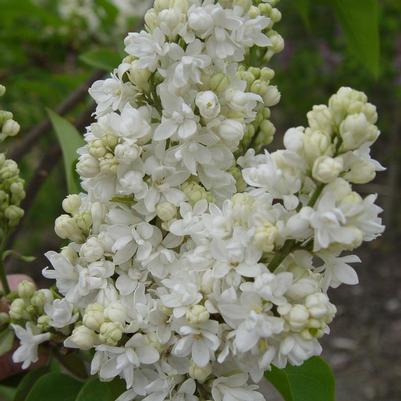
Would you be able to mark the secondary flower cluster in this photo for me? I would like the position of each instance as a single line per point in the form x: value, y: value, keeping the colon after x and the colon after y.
x: 194, y: 267
x: 11, y: 185
x: 86, y: 19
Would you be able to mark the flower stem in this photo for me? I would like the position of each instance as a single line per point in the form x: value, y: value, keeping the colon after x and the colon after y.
x: 3, y: 275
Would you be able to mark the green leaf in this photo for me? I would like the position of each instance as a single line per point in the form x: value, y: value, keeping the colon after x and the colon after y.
x: 73, y: 363
x: 313, y: 381
x: 6, y: 340
x: 104, y: 59
x: 27, y: 383
x: 55, y: 387
x: 70, y: 140
x: 7, y: 393
x: 360, y: 22
x: 95, y: 390
x: 17, y: 256
x: 303, y: 7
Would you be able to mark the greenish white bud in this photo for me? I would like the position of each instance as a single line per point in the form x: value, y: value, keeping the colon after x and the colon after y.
x: 66, y: 228
x: 197, y: 314
x: 41, y: 298
x: 321, y: 119
x: 139, y: 76
x: 108, y: 164
x: 18, y: 310
x: 83, y: 338
x: 166, y: 211
x: 11, y: 128
x: 87, y: 166
x: 26, y: 289
x: 355, y: 130
x: 326, y: 169
x: 272, y: 96
x: 2, y: 90
x: 94, y: 316
x: 219, y: 82
x: 92, y: 250
x: 69, y: 253
x: 71, y: 204
x: 316, y: 144
x: 193, y: 191
x: 361, y: 172
x: 151, y: 19
x: 97, y: 149
x: 13, y: 214
x: 43, y: 323
x: 265, y: 237
x: 111, y: 333
x: 4, y: 318
x: 198, y: 373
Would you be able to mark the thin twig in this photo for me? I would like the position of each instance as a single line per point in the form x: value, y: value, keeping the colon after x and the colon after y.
x: 45, y: 126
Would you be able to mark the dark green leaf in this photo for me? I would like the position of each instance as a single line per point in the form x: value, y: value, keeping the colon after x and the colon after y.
x: 27, y: 383
x: 7, y: 393
x: 360, y: 22
x: 74, y: 364
x: 313, y: 381
x: 55, y: 387
x: 70, y: 140
x: 6, y: 340
x: 104, y: 59
x: 95, y: 390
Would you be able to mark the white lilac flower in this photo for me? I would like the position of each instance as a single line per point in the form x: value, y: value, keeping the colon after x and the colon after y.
x: 189, y: 260
x: 30, y: 338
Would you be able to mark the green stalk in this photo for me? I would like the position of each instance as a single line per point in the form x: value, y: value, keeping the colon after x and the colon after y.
x: 3, y: 275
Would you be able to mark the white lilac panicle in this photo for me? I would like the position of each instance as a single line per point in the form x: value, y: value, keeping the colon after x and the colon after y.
x: 196, y: 264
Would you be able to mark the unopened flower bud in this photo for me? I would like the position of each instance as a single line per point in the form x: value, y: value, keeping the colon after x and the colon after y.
x: 71, y: 204
x: 92, y: 250
x: 361, y: 172
x: 82, y: 338
x: 111, y: 333
x: 355, y: 130
x: 316, y: 144
x: 166, y: 211
x: 319, y: 306
x: 18, y: 310
x: 326, y: 169
x: 4, y: 318
x: 43, y: 323
x: 94, y: 316
x: 2, y: 90
x: 151, y: 19
x: 83, y: 221
x: 26, y: 289
x: 13, y: 214
x: 219, y: 82
x: 272, y: 96
x: 116, y: 312
x: 97, y: 149
x: 87, y: 166
x: 198, y: 373
x: 41, y: 298
x: 197, y: 314
x: 266, y: 74
x: 321, y: 119
x: 253, y: 12
x: 298, y: 317
x: 66, y: 228
x: 265, y: 237
x: 294, y: 139
x: 108, y: 164
x: 69, y: 253
x: 11, y: 128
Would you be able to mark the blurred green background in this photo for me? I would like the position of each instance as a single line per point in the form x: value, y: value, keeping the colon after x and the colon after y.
x: 47, y: 54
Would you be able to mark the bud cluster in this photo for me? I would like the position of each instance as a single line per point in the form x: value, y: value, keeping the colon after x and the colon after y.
x: 11, y: 184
